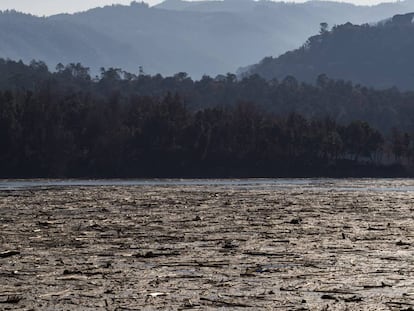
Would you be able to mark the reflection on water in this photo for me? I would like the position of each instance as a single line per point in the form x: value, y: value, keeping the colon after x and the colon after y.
x: 348, y: 184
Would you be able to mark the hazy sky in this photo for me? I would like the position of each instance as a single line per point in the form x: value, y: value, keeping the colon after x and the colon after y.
x: 48, y: 7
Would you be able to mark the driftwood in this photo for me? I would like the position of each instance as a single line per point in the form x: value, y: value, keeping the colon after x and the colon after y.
x: 221, y: 302
x: 12, y: 299
x: 401, y: 243
x: 59, y: 293
x: 9, y: 254
x: 151, y: 254
x: 382, y: 285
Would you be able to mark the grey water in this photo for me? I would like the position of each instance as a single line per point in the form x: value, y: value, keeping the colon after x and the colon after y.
x: 346, y: 184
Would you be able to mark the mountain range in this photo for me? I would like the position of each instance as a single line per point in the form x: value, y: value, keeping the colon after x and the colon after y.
x: 206, y: 37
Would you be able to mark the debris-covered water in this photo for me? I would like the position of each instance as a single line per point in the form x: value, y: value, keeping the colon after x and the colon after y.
x: 306, y: 244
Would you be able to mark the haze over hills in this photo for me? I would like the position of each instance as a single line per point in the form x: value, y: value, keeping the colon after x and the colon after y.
x: 374, y: 55
x: 208, y: 37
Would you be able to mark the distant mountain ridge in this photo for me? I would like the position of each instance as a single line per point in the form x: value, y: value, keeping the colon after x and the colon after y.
x: 206, y: 37
x: 374, y: 55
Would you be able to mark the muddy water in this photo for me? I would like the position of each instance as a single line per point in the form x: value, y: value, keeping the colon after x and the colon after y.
x: 199, y: 245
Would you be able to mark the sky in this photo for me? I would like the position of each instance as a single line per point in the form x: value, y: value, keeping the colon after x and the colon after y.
x: 49, y: 7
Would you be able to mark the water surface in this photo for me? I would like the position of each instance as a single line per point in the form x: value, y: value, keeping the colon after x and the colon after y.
x: 347, y: 184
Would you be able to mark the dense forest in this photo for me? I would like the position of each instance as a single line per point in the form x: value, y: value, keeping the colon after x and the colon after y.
x: 68, y: 124
x: 378, y: 55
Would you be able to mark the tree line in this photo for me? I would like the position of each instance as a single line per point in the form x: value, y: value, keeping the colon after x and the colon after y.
x: 68, y: 124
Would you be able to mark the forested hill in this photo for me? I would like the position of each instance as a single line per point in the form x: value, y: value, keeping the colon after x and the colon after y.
x: 378, y: 55
x: 66, y: 124
x: 207, y: 37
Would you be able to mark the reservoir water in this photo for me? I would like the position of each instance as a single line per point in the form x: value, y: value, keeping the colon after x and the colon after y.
x: 347, y: 184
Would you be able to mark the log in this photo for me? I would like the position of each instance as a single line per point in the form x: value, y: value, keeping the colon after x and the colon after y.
x: 7, y: 254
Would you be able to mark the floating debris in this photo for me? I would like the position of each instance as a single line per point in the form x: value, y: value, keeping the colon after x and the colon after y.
x: 180, y: 247
x: 7, y: 254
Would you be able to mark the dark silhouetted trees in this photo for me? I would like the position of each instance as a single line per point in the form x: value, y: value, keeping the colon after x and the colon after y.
x: 67, y: 124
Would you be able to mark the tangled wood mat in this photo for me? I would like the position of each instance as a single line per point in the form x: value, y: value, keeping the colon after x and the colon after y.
x: 200, y: 247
